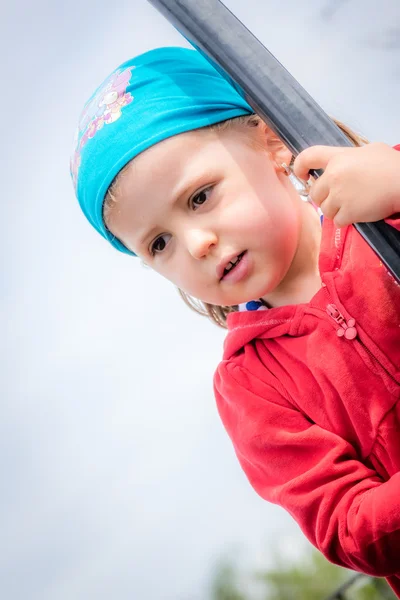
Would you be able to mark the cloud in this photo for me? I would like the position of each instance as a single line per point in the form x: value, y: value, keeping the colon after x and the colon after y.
x: 386, y: 39
x: 331, y: 8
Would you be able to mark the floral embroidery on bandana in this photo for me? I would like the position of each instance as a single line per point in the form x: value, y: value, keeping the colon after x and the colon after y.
x: 104, y: 108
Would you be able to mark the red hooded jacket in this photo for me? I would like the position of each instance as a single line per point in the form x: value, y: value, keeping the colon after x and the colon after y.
x: 311, y: 401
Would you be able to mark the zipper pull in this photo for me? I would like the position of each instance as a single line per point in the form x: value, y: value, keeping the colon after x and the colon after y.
x: 346, y: 329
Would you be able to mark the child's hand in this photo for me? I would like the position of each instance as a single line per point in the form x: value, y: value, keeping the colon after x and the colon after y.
x: 358, y: 185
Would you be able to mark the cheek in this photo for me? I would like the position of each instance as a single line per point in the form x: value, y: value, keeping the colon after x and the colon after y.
x: 193, y: 281
x: 181, y: 274
x: 269, y: 213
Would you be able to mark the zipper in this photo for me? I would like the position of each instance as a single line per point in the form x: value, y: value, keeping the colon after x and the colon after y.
x: 347, y: 329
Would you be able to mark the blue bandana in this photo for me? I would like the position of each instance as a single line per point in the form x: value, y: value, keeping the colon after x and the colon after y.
x: 152, y: 97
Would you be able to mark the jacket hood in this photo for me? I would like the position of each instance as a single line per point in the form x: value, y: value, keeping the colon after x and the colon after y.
x: 244, y: 327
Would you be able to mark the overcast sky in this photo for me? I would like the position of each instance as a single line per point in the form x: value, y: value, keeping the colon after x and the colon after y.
x: 118, y: 480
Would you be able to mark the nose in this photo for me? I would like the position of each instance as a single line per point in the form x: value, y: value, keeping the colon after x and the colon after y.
x: 200, y: 242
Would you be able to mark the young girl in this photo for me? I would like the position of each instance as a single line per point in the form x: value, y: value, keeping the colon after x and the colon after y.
x: 172, y: 166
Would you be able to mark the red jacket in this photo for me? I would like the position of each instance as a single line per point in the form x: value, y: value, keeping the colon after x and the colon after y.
x: 314, y: 416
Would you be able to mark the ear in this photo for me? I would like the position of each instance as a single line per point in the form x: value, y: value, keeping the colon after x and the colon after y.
x: 276, y: 149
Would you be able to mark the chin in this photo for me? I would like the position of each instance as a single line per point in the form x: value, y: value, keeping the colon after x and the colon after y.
x: 239, y: 299
x: 254, y: 291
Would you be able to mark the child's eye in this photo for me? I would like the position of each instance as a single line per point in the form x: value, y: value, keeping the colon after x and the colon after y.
x: 200, y: 198
x: 159, y: 244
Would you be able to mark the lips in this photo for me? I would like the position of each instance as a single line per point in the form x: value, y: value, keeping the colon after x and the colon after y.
x: 229, y: 264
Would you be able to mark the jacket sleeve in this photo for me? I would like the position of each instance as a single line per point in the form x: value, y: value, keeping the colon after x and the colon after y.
x: 344, y: 508
x: 394, y: 221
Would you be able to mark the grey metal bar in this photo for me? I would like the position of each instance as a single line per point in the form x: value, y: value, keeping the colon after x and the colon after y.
x: 271, y: 91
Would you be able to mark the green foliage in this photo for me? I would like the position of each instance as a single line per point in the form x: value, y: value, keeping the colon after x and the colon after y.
x: 311, y: 578
x: 225, y: 585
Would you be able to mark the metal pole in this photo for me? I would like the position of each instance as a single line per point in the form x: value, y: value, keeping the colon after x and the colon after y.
x: 271, y: 91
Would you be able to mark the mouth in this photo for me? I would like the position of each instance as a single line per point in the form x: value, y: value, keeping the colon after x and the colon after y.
x: 227, y: 270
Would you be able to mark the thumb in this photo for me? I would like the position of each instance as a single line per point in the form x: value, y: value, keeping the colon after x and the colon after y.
x: 315, y: 157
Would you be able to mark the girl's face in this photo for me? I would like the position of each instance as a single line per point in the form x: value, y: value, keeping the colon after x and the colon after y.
x: 211, y: 212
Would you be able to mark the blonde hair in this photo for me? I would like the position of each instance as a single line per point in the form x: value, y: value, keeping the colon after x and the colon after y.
x: 219, y: 314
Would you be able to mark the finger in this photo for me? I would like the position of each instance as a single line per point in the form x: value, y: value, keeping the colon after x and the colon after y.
x: 330, y: 208
x: 319, y: 190
x: 341, y: 219
x: 315, y: 157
